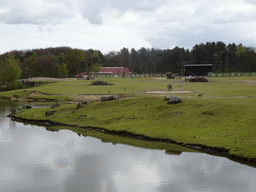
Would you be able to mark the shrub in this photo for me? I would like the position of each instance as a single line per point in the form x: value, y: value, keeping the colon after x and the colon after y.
x: 198, y: 79
x: 168, y: 73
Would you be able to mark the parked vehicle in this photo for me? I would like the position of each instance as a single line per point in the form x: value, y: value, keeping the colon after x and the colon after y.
x: 171, y: 77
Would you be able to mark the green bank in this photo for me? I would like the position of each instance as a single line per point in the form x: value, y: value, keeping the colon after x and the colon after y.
x: 222, y: 123
x: 224, y: 117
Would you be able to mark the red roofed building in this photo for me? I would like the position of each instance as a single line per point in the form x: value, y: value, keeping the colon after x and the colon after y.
x: 114, y: 70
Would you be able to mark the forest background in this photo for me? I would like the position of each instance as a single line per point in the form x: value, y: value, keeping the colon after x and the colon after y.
x: 67, y: 62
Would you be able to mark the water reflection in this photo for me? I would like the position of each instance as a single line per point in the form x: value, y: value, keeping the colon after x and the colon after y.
x: 33, y: 159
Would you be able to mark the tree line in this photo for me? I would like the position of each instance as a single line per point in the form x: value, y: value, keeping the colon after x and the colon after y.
x: 55, y: 62
x: 225, y: 58
x: 67, y: 62
x: 51, y: 62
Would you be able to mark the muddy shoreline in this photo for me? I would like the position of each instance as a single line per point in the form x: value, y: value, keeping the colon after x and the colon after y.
x: 207, y: 149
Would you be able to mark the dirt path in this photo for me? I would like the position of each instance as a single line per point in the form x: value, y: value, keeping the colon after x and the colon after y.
x: 49, y: 79
x: 168, y: 92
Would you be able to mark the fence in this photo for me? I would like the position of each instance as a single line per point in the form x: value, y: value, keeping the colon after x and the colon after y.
x: 232, y: 74
x: 131, y: 75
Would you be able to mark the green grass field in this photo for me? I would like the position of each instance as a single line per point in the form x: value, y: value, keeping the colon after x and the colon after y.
x: 224, y: 117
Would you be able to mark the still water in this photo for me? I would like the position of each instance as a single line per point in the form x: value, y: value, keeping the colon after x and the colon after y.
x: 34, y: 159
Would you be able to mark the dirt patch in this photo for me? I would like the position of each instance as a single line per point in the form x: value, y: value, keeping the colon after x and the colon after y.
x: 169, y: 92
x: 49, y: 79
x: 36, y: 94
x: 86, y: 97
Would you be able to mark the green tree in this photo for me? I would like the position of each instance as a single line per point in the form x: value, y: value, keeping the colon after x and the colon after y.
x: 29, y: 66
x: 232, y: 51
x: 62, y: 70
x: 9, y: 73
x: 93, y: 69
x: 61, y: 58
x: 241, y: 50
x: 97, y: 58
x: 74, y: 57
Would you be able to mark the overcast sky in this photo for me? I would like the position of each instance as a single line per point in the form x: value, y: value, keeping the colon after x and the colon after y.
x: 110, y: 25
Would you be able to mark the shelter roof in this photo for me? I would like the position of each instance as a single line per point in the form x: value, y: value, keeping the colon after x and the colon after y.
x: 197, y: 65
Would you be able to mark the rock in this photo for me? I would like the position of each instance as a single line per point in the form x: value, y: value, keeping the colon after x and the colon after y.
x: 84, y: 102
x: 109, y: 97
x: 172, y: 99
x: 15, y: 111
x: 24, y: 90
x: 48, y: 113
x: 33, y: 90
x: 24, y: 106
x: 167, y: 97
x: 106, y: 98
x: 115, y: 97
x: 79, y: 105
x: 55, y: 105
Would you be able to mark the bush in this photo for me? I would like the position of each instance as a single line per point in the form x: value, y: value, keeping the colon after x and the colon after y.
x: 13, y: 85
x: 168, y: 73
x: 101, y: 83
x: 198, y: 79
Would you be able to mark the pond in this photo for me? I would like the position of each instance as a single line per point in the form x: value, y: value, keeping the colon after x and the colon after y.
x: 36, y: 159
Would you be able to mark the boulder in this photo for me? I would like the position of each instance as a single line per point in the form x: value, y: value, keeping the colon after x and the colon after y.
x: 106, y: 98
x: 33, y: 90
x: 115, y: 97
x: 84, y: 102
x: 48, y: 113
x: 109, y: 97
x: 15, y: 111
x: 55, y: 105
x: 25, y: 106
x: 172, y: 99
x: 79, y: 105
x: 167, y: 97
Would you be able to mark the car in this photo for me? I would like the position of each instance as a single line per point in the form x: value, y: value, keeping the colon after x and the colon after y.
x: 171, y: 77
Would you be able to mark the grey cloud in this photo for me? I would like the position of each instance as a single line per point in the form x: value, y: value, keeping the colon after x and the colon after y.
x: 190, y: 36
x: 50, y: 14
x: 201, y: 10
x: 251, y: 2
x: 142, y: 5
x: 229, y: 16
x: 91, y: 10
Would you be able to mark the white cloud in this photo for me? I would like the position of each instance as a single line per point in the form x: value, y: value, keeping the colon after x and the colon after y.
x: 112, y: 25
